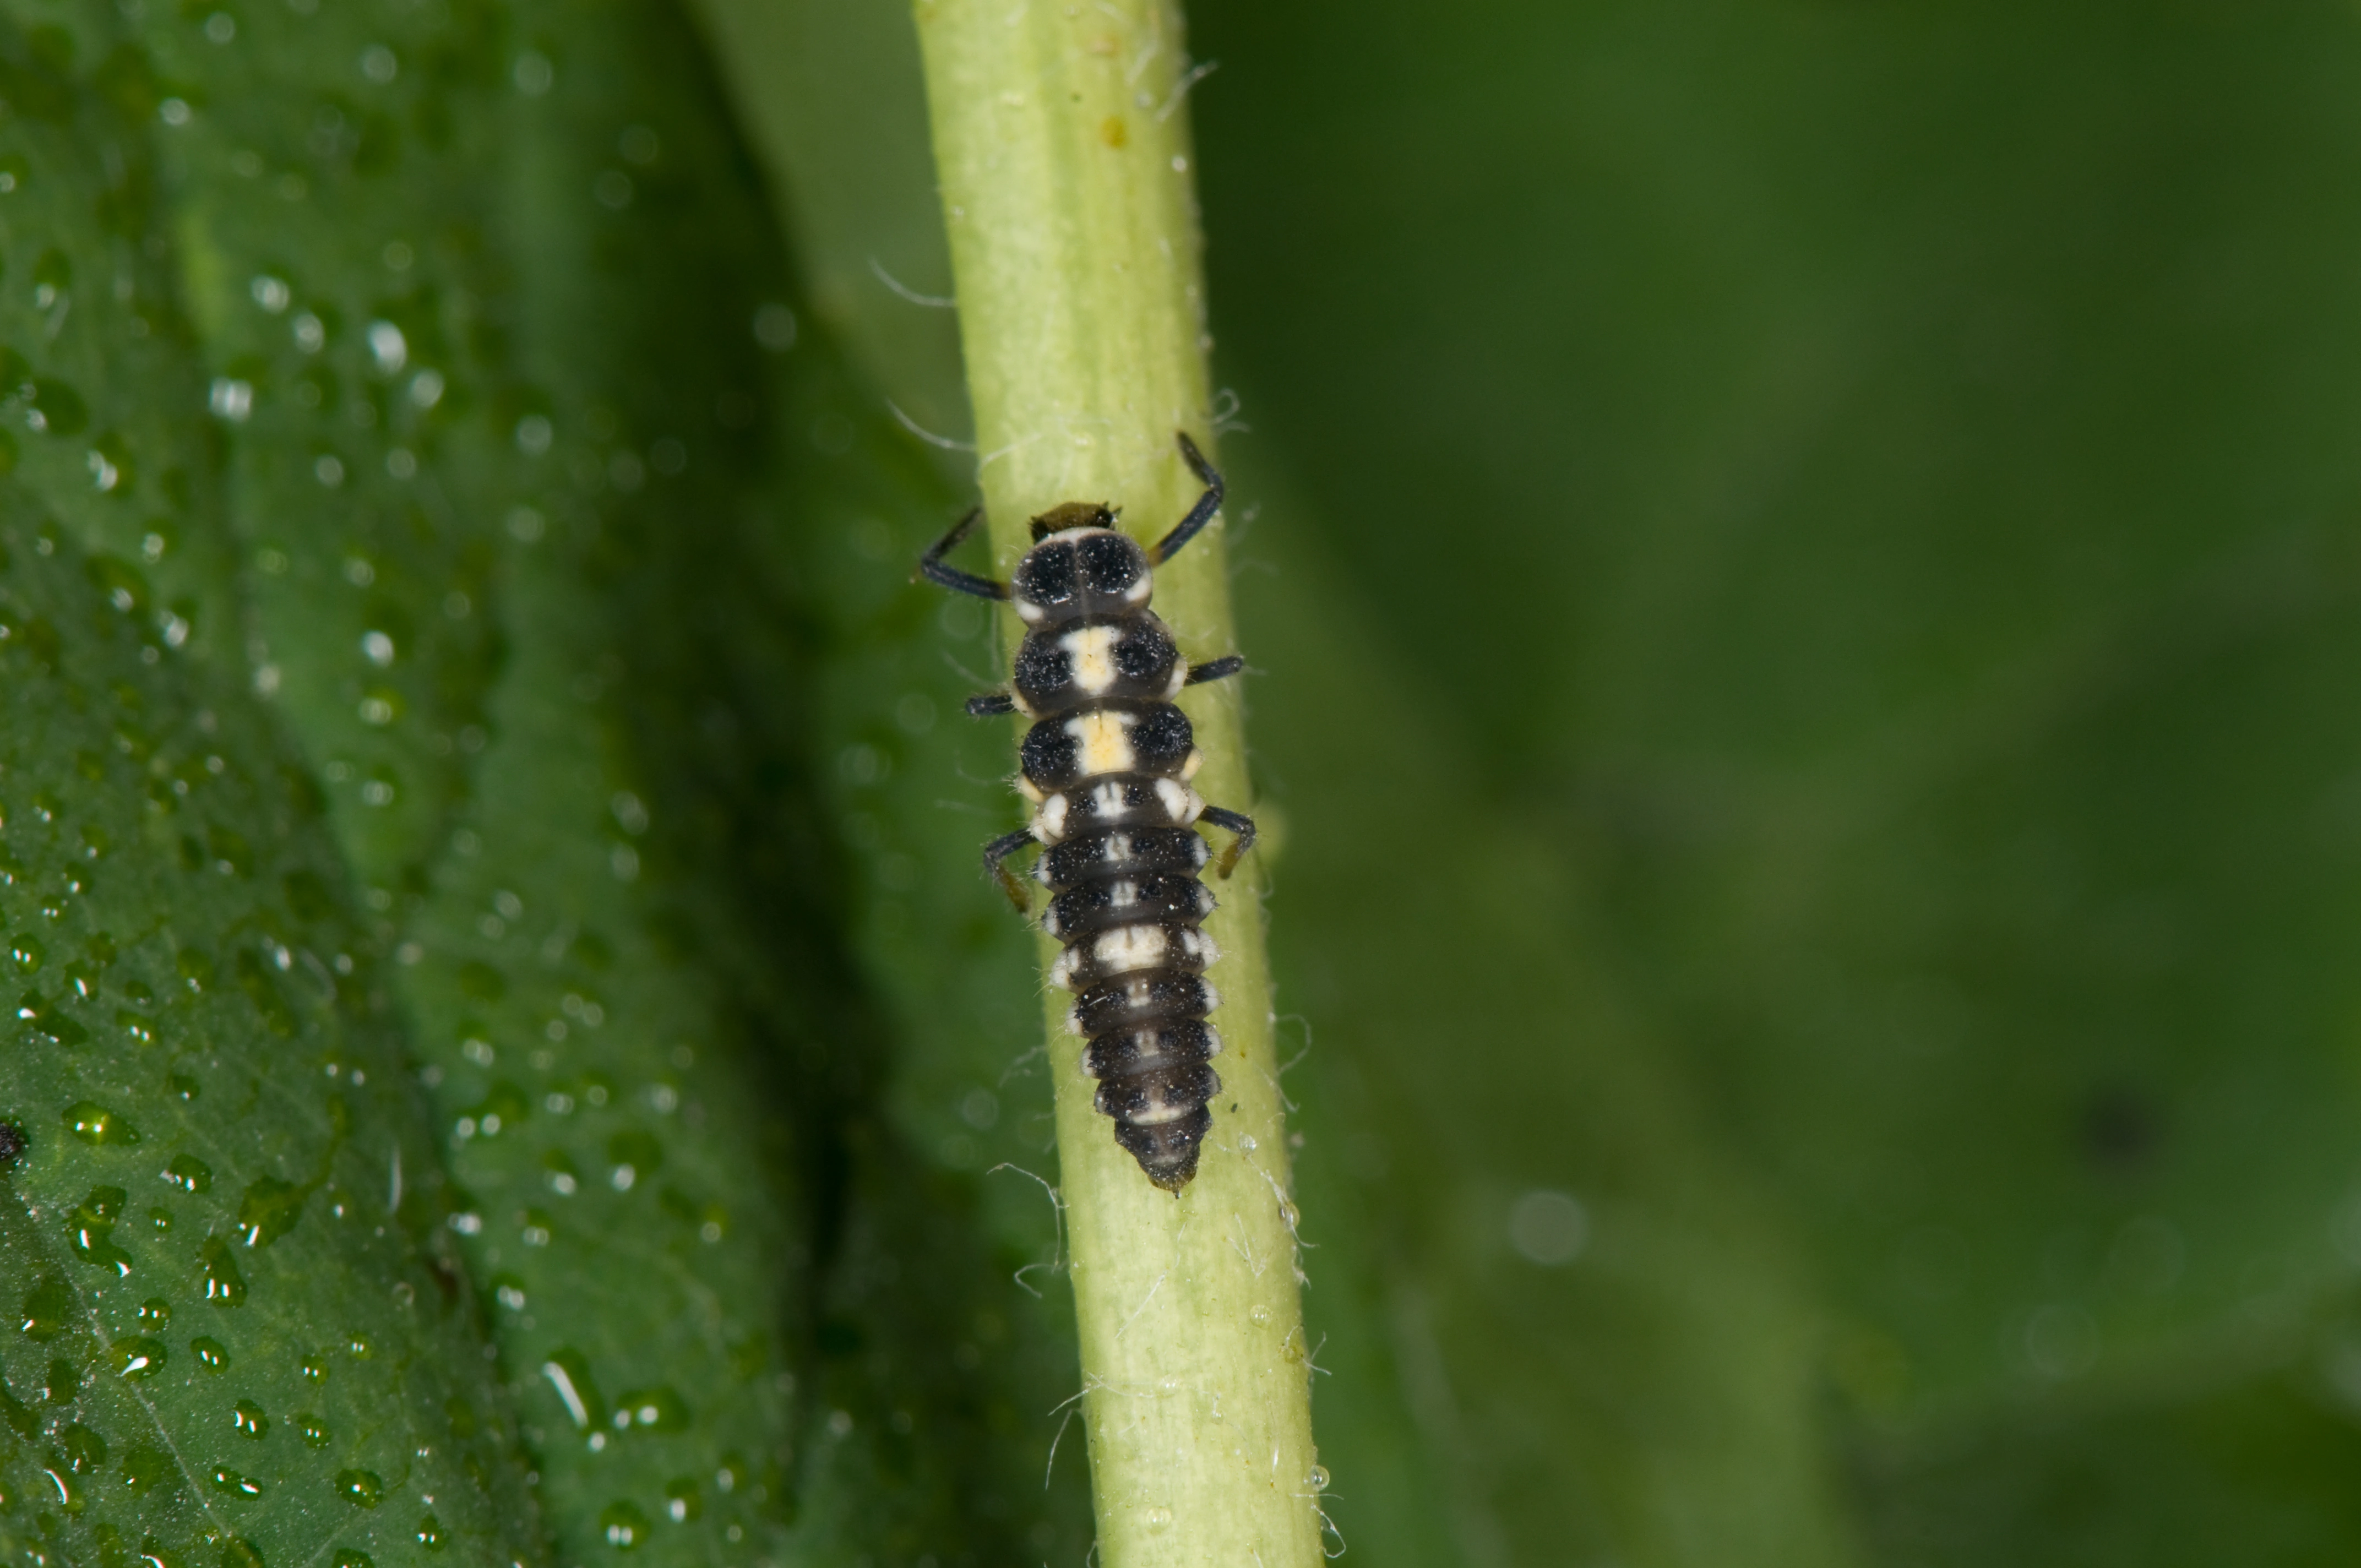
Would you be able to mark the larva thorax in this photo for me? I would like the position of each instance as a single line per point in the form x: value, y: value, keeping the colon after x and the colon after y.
x: 1107, y: 764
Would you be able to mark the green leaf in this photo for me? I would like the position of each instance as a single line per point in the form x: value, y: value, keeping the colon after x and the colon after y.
x: 427, y: 553
x: 226, y: 1217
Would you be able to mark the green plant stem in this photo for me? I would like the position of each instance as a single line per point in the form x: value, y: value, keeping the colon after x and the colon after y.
x: 1060, y: 142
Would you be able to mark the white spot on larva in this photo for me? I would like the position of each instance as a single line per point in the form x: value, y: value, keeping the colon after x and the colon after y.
x: 1194, y: 760
x: 1138, y: 591
x: 1204, y: 900
x: 1212, y: 1035
x: 1028, y: 789
x: 1157, y: 1111
x: 1091, y: 652
x: 1028, y: 611
x: 1062, y: 973
x: 1073, y: 1014
x: 1104, y: 742
x: 1122, y: 895
x: 1179, y: 679
x: 1049, y: 919
x: 1130, y: 948
x: 1199, y: 945
x: 1049, y: 822
x: 1181, y: 803
x: 1117, y: 847
x: 1107, y: 800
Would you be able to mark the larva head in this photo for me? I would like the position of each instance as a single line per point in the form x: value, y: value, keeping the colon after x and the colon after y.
x: 1081, y: 566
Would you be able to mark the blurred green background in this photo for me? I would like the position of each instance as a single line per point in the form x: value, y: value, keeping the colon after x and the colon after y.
x: 1802, y: 564
x: 1801, y: 570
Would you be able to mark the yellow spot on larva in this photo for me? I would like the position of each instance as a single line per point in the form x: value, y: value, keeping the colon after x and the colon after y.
x: 1104, y: 742
x: 1092, y: 653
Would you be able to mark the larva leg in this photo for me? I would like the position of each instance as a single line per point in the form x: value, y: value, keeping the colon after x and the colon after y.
x: 997, y: 852
x: 1199, y: 515
x: 988, y: 705
x: 1220, y: 669
x: 1234, y: 822
x: 931, y: 567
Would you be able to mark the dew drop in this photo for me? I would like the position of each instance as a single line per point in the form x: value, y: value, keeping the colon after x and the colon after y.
x: 651, y: 1409
x: 209, y: 1353
x: 142, y: 1468
x: 249, y: 1420
x: 85, y: 1451
x: 682, y: 1502
x: 225, y: 1285
x: 95, y: 1125
x: 155, y: 1313
x: 351, y: 1558
x: 312, y: 1430
x: 48, y: 1307
x: 48, y: 1022
x: 231, y: 1483
x: 90, y: 1231
x: 241, y: 1553
x: 362, y: 1488
x: 189, y: 1173
x: 624, y: 1526
x: 138, y: 1357
x: 430, y: 1533
x: 269, y: 1210
x: 1159, y: 1518
x: 569, y: 1373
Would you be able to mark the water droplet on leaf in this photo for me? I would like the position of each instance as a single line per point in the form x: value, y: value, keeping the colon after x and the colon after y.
x: 138, y: 1357
x: 95, y: 1125
x: 225, y: 1286
x: 269, y: 1210
x: 362, y: 1488
x: 48, y: 1307
x: 229, y: 1481
x: 651, y: 1409
x: 143, y: 1467
x: 189, y: 1173
x: 624, y: 1527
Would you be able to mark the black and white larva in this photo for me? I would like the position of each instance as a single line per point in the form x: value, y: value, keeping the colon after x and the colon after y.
x: 1106, y: 767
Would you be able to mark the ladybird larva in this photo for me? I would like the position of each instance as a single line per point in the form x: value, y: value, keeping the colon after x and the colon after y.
x: 1106, y: 767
